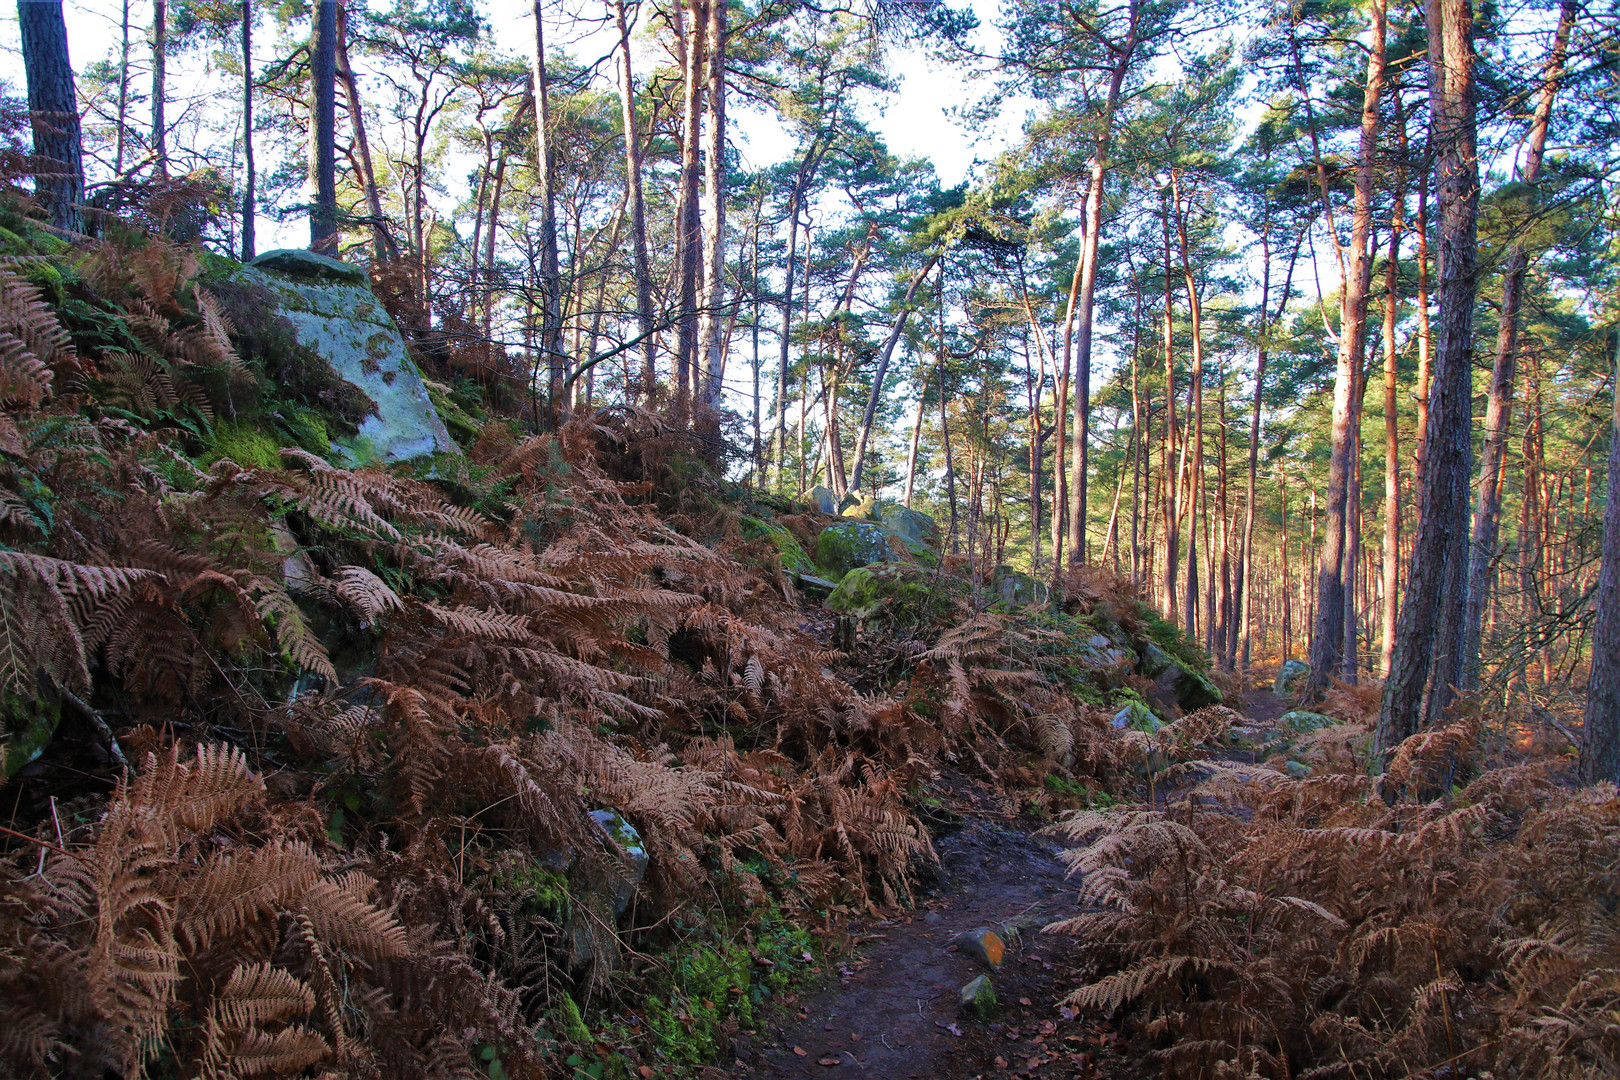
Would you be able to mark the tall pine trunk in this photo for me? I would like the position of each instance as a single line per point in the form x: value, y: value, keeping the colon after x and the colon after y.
x: 711, y: 354
x: 1600, y: 743
x: 550, y: 338
x: 1425, y: 665
x: 323, y: 234
x: 383, y: 248
x: 1499, y: 405
x: 250, y: 210
x: 1332, y: 602
x: 53, y: 112
x: 641, y: 264
x: 160, y: 86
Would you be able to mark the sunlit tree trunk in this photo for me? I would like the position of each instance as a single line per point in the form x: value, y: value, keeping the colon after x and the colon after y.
x: 710, y: 351
x: 383, y: 248
x: 1499, y: 404
x: 550, y: 338
x: 1428, y: 637
x: 640, y: 265
x: 1332, y: 602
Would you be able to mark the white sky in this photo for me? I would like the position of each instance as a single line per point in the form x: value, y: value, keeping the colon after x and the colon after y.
x: 916, y: 122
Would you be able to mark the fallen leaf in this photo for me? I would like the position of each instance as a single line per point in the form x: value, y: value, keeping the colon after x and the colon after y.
x: 854, y: 1036
x: 1024, y: 1001
x: 645, y: 1072
x: 1001, y: 1062
x: 801, y: 1051
x: 952, y: 1028
x: 828, y: 1061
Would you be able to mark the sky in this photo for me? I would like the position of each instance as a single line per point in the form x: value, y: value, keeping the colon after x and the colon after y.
x: 916, y: 122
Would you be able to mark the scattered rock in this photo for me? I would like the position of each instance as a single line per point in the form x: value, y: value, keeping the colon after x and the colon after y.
x: 1297, y: 769
x: 1178, y: 683
x: 979, y: 997
x: 822, y: 501
x: 1301, y: 720
x: 1014, y: 588
x: 916, y: 528
x: 332, y: 312
x: 858, y: 505
x: 984, y: 945
x: 933, y: 918
x: 794, y: 559
x: 1289, y: 676
x: 26, y: 727
x: 842, y: 547
x: 1139, y: 717
x: 900, y: 592
x: 628, y: 844
x: 812, y: 584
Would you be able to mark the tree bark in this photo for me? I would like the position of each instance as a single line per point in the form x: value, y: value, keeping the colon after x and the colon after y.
x: 882, y: 372
x: 1425, y: 665
x: 1392, y: 434
x: 1328, y: 633
x: 1123, y: 54
x: 1600, y: 735
x: 1499, y: 405
x: 53, y: 112
x: 550, y: 338
x: 638, y: 207
x: 250, y: 210
x: 323, y: 233
x: 711, y: 353
x: 160, y: 86
x: 689, y: 22
x: 1060, y: 480
x: 383, y: 247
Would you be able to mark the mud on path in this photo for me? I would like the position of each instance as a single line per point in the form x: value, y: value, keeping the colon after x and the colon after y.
x: 894, y: 1011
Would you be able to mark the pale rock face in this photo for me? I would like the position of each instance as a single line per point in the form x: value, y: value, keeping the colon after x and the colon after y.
x: 334, y: 313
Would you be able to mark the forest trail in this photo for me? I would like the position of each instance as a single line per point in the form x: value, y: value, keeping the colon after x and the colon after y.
x: 894, y: 1011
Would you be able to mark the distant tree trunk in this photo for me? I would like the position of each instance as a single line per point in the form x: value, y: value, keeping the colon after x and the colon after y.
x: 1195, y: 404
x: 1350, y: 655
x: 1392, y: 433
x: 787, y: 331
x: 53, y: 112
x: 1600, y: 741
x: 1424, y: 329
x: 1172, y: 472
x: 250, y: 210
x: 121, y: 123
x: 689, y: 22
x: 711, y: 355
x: 1328, y: 633
x: 916, y: 439
x: 382, y: 242
x: 487, y: 300
x: 638, y: 207
x: 1428, y: 639
x: 882, y: 372
x: 550, y: 342
x: 1123, y: 57
x: 1060, y: 480
x: 1499, y: 407
x: 323, y: 234
x: 945, y: 438
x: 160, y: 86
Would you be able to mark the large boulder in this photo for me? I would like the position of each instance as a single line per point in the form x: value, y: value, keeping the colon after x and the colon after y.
x: 1014, y: 588
x: 1289, y: 677
x: 900, y: 592
x: 794, y: 559
x: 858, y: 504
x: 917, y: 529
x: 822, y: 500
x: 1174, y: 683
x: 333, y: 313
x: 842, y: 547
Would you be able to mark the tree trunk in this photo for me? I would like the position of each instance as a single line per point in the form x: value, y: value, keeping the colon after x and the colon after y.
x: 1392, y: 434
x: 121, y: 121
x: 53, y: 112
x: 1499, y: 406
x: 323, y: 234
x: 1328, y: 634
x: 160, y: 86
x: 1060, y: 480
x: 711, y: 353
x: 550, y: 341
x: 1600, y: 742
x: 882, y: 372
x: 689, y: 21
x: 1426, y: 666
x: 1171, y: 471
x: 638, y: 209
x: 1123, y: 55
x: 383, y: 248
x: 250, y: 210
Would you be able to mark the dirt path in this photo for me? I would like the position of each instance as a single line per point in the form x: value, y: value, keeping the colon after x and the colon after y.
x: 895, y: 1011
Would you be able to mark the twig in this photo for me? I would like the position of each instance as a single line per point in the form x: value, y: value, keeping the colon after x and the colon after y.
x: 46, y: 844
x: 97, y: 722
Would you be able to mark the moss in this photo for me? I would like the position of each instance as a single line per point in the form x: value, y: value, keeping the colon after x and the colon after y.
x: 29, y: 726
x: 246, y: 445
x: 899, y: 592
x: 786, y: 544
x: 1171, y: 638
x: 841, y: 548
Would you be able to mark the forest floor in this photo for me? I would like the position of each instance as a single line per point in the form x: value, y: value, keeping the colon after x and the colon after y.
x: 893, y: 1011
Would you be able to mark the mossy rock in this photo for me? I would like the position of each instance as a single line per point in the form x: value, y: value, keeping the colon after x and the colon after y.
x: 857, y: 504
x: 822, y: 500
x: 1300, y: 721
x: 27, y: 728
x: 979, y: 998
x: 916, y: 528
x: 842, y: 547
x: 794, y: 559
x: 900, y: 592
x: 1188, y: 687
x: 247, y: 445
x: 1289, y: 676
x: 1014, y: 588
